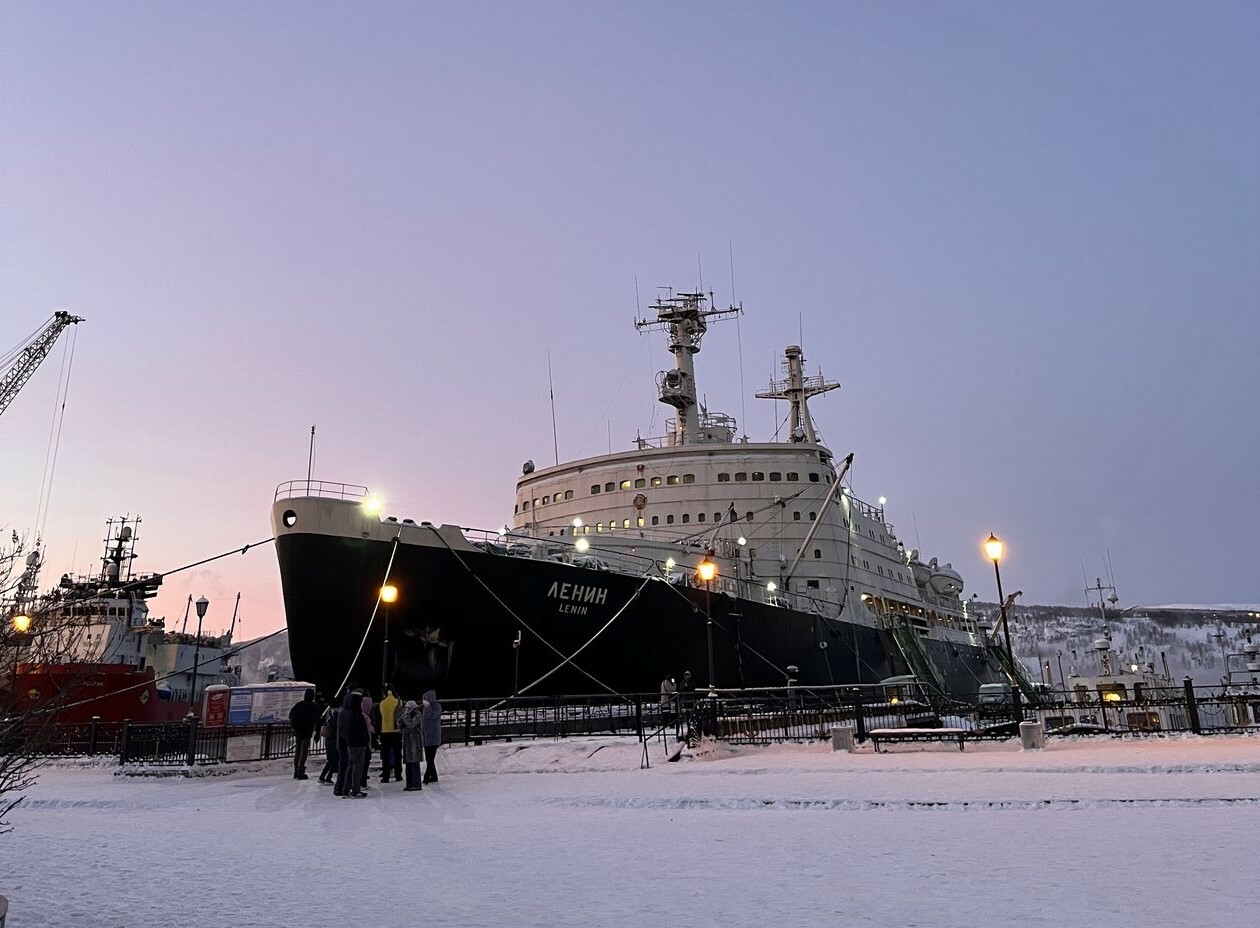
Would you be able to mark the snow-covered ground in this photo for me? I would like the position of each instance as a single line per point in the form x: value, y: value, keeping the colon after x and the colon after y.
x: 1158, y: 832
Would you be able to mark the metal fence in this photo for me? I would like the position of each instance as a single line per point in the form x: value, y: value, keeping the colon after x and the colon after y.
x: 736, y: 716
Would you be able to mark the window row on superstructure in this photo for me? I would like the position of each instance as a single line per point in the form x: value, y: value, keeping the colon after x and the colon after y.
x: 642, y: 483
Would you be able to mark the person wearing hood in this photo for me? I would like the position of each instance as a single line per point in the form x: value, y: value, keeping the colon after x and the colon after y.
x: 391, y: 737
x: 332, y: 761
x: 411, y: 724
x: 357, y: 737
x: 352, y: 709
x: 431, y: 730
x: 372, y: 739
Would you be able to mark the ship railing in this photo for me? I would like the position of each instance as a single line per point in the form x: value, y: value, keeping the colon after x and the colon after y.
x: 320, y: 489
x: 559, y: 549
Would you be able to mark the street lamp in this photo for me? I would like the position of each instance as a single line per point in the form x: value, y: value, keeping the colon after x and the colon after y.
x: 993, y: 550
x: 706, y: 570
x: 21, y: 625
x: 202, y: 605
x: 389, y: 594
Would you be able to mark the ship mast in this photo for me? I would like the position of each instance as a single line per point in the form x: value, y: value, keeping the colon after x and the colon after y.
x: 685, y: 317
x: 797, y: 389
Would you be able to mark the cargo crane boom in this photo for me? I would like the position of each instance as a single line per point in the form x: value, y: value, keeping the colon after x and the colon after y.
x: 30, y: 355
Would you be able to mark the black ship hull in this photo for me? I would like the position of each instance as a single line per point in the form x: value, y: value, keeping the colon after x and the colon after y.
x: 478, y: 624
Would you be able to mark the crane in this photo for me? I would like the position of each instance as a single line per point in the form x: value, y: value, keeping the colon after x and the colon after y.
x: 31, y: 354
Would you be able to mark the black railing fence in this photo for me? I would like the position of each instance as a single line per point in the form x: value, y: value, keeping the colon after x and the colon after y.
x: 737, y: 716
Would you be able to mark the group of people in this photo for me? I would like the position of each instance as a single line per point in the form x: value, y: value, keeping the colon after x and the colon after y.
x: 403, y: 733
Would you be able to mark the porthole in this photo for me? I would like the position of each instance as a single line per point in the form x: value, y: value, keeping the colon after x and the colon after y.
x: 289, y: 518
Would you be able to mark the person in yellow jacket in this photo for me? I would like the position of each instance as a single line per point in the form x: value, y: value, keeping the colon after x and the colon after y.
x: 391, y: 737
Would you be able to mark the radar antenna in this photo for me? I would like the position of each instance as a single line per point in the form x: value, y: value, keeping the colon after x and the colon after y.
x: 685, y: 317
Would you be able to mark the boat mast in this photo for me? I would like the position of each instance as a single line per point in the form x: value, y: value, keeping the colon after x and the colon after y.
x: 797, y: 389
x: 685, y: 317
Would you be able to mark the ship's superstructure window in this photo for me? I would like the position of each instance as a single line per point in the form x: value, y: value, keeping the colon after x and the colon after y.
x: 640, y: 521
x: 775, y: 476
x: 669, y: 520
x: 813, y: 516
x: 817, y: 553
x: 524, y: 504
x: 640, y: 484
x: 609, y: 487
x: 748, y: 516
x: 594, y: 488
x: 671, y: 481
x: 813, y: 478
x: 656, y: 520
x: 758, y: 475
x: 535, y: 502
x: 796, y: 517
x: 689, y: 478
x: 686, y: 518
x: 724, y: 478
x: 740, y: 477
x: 599, y: 526
x: 546, y: 500
x: 811, y: 584
x: 568, y: 494
x: 625, y: 523
x: 701, y: 517
x: 625, y: 484
x: 717, y: 517
x: 656, y: 481
x: 793, y: 476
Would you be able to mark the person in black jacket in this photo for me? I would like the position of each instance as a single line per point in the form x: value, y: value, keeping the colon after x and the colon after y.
x: 303, y: 718
x: 341, y: 787
x: 356, y: 737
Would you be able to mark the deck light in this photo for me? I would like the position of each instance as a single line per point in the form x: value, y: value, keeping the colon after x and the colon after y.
x: 883, y: 500
x: 771, y: 586
x: 21, y: 623
x: 706, y: 570
x: 670, y: 563
x: 582, y: 545
x: 742, y: 541
x: 577, y: 523
x: 389, y: 593
x: 372, y: 505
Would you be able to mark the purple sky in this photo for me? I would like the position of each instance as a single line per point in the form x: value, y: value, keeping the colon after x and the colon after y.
x: 1023, y: 238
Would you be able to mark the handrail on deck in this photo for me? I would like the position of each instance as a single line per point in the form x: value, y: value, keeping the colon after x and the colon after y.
x: 321, y: 489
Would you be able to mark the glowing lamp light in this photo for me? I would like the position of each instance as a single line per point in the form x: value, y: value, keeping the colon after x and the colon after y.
x: 1133, y: 667
x: 1112, y: 696
x: 389, y: 593
x: 993, y: 548
x: 706, y: 570
x: 670, y: 563
x: 742, y: 541
x: 883, y: 500
x: 582, y: 545
x: 22, y: 623
x: 772, y: 586
x: 503, y: 530
x: 577, y: 523
x: 372, y: 505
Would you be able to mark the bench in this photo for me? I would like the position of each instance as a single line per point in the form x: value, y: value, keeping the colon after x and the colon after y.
x: 886, y: 736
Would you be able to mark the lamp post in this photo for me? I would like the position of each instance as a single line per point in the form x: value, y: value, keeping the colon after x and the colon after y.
x: 202, y: 605
x: 706, y: 570
x: 516, y: 671
x: 993, y: 549
x: 389, y: 594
